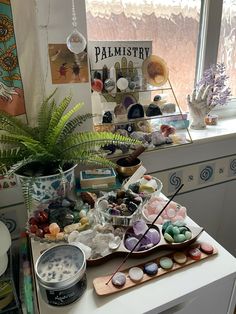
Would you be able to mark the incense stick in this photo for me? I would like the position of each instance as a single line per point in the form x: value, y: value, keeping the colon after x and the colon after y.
x: 158, y: 215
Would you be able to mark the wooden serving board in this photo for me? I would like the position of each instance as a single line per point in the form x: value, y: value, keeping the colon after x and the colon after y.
x: 103, y: 289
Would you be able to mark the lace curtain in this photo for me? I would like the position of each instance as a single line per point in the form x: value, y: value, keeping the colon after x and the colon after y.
x: 136, y: 8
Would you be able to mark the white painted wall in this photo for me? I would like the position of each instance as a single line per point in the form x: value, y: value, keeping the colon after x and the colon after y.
x: 50, y: 22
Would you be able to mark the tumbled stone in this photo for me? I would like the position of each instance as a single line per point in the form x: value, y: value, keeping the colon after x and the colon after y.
x: 168, y: 237
x: 179, y: 238
x: 166, y: 262
x: 180, y: 257
x: 136, y: 274
x: 119, y: 279
x: 151, y: 268
x: 188, y: 235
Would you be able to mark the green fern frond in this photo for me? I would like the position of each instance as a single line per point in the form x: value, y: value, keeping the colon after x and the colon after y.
x: 57, y: 113
x: 9, y: 140
x: 89, y: 141
x: 72, y: 124
x: 10, y: 156
x: 27, y: 190
x: 44, y: 115
x: 89, y: 158
x: 56, y: 132
x: 13, y: 125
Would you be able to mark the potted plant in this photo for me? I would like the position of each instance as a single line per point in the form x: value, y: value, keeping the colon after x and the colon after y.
x: 44, y: 156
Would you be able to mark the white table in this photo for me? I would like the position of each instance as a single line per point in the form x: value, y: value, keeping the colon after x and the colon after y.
x: 206, y: 287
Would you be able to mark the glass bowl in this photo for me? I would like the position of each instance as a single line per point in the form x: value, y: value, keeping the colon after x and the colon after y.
x: 104, y: 216
x: 144, y: 194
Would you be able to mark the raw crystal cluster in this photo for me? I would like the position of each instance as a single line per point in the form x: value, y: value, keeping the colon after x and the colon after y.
x: 99, y: 241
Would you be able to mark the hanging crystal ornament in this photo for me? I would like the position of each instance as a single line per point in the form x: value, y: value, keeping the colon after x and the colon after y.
x: 75, y: 42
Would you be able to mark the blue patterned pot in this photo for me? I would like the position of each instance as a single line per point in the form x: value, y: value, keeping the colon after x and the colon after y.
x: 46, y: 188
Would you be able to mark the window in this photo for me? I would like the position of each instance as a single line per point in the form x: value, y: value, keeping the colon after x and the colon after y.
x: 172, y: 25
x: 227, y: 43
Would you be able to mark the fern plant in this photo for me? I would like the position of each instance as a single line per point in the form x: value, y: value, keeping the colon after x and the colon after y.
x: 53, y: 141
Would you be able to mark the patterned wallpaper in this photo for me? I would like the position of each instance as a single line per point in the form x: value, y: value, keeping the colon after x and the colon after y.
x: 198, y: 175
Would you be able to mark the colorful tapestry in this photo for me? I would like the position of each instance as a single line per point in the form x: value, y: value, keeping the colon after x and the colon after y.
x: 11, y: 88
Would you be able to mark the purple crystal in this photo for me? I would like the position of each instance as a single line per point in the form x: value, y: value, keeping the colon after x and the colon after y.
x: 153, y: 235
x: 145, y: 244
x: 131, y: 242
x: 139, y: 227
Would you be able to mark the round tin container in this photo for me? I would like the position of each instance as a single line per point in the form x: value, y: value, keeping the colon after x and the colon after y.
x: 61, y: 275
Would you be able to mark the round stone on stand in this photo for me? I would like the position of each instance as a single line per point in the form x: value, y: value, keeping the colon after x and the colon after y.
x: 151, y: 268
x: 180, y: 257
x: 136, y: 274
x: 166, y: 263
x: 119, y: 279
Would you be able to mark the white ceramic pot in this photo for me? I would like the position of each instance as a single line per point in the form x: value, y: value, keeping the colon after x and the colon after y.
x: 50, y: 187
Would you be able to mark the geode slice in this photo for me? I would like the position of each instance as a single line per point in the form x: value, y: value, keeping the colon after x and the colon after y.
x: 153, y: 110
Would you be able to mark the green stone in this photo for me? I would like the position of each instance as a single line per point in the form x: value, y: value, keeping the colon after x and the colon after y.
x: 183, y: 229
x: 166, y: 263
x: 179, y: 223
x: 175, y: 230
x: 179, y: 238
x: 168, y: 237
x: 169, y: 230
x: 165, y: 225
x: 188, y: 235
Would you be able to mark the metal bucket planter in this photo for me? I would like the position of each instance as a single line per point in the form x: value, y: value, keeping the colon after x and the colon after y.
x: 43, y: 189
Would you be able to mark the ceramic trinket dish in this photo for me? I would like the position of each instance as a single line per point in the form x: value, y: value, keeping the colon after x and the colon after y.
x: 173, y: 211
x: 146, y: 187
x: 155, y: 242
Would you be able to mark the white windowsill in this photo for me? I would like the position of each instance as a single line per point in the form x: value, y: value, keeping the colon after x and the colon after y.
x: 226, y: 128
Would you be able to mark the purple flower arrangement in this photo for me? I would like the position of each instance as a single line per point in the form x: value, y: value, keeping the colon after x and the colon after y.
x: 216, y: 77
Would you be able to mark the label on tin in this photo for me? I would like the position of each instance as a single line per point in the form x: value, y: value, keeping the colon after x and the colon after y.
x: 66, y: 296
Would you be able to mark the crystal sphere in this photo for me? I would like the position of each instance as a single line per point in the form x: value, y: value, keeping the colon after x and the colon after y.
x: 76, y: 42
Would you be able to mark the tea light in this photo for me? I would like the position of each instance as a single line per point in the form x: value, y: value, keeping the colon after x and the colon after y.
x: 61, y: 274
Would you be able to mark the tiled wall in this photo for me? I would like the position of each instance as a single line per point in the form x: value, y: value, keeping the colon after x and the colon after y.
x: 198, y: 175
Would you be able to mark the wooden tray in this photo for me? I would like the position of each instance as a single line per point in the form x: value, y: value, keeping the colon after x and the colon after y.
x: 162, y: 245
x: 102, y: 289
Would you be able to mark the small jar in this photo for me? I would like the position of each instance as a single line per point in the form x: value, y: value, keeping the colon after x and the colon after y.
x: 211, y: 119
x: 61, y: 274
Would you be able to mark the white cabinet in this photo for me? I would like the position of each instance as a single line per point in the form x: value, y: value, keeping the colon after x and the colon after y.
x: 206, y: 287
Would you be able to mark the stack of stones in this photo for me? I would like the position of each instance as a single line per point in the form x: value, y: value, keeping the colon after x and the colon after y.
x: 176, y: 232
